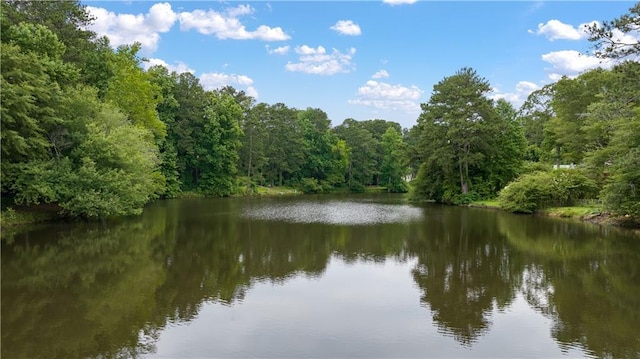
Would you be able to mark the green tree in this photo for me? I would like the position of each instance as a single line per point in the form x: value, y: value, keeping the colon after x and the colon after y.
x: 458, y: 127
x: 218, y: 151
x: 617, y: 116
x: 109, y: 167
x: 509, y: 144
x: 286, y: 148
x: 68, y: 20
x: 362, y: 146
x: 377, y: 128
x: 252, y: 153
x: 187, y: 127
x: 609, y: 37
x: 167, y: 110
x: 534, y: 114
x: 570, y: 101
x: 132, y: 91
x: 392, y: 170
x: 340, y: 159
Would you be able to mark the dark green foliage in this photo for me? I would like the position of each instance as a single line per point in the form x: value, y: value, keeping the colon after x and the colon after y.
x: 621, y: 194
x: 111, y: 169
x: 362, y: 146
x: 537, y: 190
x: 285, y: 145
x: 467, y: 146
x: 310, y: 185
x: 393, y: 170
x: 218, y: 155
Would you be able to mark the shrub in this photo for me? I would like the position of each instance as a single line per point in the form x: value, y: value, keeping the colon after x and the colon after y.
x: 540, y: 189
x: 356, y: 187
x: 530, y: 167
x: 310, y: 185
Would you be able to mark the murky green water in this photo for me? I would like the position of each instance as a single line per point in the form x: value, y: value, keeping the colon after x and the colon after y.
x: 362, y: 276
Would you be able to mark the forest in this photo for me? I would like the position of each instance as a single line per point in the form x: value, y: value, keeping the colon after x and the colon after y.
x: 87, y: 128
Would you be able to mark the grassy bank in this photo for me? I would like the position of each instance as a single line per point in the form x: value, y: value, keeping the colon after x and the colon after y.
x: 486, y: 204
x: 575, y: 212
x: 588, y: 213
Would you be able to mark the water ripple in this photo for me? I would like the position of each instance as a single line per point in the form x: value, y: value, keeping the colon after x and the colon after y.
x: 335, y: 212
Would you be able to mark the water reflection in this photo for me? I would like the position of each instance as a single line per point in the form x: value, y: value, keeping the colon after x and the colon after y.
x: 90, y: 290
x: 335, y: 212
x: 586, y: 279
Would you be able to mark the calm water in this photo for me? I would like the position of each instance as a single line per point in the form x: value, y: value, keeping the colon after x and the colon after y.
x: 362, y: 276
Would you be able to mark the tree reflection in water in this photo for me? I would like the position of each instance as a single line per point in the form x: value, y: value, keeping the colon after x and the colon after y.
x: 92, y: 290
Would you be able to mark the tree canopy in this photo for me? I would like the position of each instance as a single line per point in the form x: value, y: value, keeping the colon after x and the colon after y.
x: 92, y: 130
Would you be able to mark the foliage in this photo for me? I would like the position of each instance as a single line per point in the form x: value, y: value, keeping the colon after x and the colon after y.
x: 218, y: 154
x: 88, y: 129
x: 609, y: 37
x: 393, y: 170
x: 131, y: 89
x: 466, y: 144
x: 362, y: 154
x: 621, y: 194
x: 537, y: 190
x: 310, y: 185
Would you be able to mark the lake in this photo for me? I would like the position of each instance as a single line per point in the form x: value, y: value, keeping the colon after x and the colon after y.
x: 368, y: 276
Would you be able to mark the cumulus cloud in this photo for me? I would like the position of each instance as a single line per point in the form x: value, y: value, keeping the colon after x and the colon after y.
x: 179, y: 67
x: 282, y: 50
x: 517, y: 98
x: 124, y: 29
x: 226, y: 25
x: 146, y: 28
x: 557, y: 30
x: 380, y: 74
x: 216, y: 80
x: 572, y: 63
x: 386, y: 96
x: 317, y: 61
x: 347, y: 27
x: 398, y: 2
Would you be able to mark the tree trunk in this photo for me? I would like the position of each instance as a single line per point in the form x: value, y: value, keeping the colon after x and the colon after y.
x: 463, y: 184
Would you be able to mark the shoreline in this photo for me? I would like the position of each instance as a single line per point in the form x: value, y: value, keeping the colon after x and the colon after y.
x: 578, y: 213
x: 44, y: 213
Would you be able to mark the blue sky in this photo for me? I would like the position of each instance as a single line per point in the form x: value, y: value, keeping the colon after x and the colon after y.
x: 360, y: 59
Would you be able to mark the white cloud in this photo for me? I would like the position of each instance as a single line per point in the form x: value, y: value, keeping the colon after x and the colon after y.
x: 146, y: 28
x: 629, y: 39
x: 226, y: 25
x: 380, y: 74
x: 517, y: 98
x: 306, y: 50
x: 282, y: 50
x: 317, y: 61
x: 386, y: 96
x: 216, y: 80
x: 398, y: 2
x: 179, y: 67
x: 239, y: 11
x: 572, y: 63
x: 124, y: 29
x: 251, y: 91
x: 347, y: 27
x: 557, y: 30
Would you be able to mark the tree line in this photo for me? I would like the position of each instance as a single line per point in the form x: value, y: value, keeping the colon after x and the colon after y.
x: 88, y: 128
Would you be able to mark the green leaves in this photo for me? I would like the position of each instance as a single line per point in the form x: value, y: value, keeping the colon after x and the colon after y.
x: 466, y: 145
x: 221, y: 142
x: 537, y: 190
x: 131, y: 90
x: 393, y: 170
